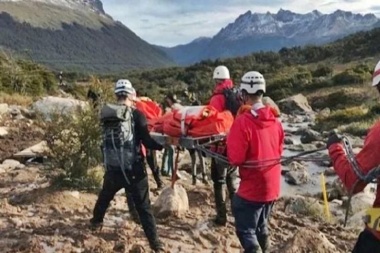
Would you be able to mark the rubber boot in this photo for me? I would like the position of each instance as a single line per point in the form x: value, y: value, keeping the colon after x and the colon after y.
x: 264, y: 242
x: 194, y: 182
x: 157, y: 178
x: 220, y: 205
x: 204, y: 179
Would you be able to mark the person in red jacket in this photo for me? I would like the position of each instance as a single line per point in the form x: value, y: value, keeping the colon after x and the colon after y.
x: 221, y: 173
x: 256, y: 135
x: 368, y: 158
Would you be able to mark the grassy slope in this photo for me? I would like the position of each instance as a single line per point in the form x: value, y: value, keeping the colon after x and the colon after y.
x: 51, y: 17
x: 75, y: 40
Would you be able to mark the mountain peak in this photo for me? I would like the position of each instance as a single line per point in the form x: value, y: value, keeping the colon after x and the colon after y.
x: 93, y: 5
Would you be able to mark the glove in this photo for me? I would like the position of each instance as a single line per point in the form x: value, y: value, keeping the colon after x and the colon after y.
x: 333, y: 138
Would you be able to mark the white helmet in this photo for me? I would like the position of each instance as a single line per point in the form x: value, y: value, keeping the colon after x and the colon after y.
x: 376, y: 75
x: 221, y: 72
x: 252, y: 82
x: 124, y: 86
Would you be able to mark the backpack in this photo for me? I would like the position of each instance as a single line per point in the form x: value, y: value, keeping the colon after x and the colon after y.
x: 232, y: 100
x: 119, y: 149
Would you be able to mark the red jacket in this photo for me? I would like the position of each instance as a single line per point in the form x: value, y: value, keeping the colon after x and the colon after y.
x: 257, y: 139
x: 217, y: 100
x: 368, y: 158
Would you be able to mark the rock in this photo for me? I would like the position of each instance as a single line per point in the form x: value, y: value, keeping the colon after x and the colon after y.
x: 309, y: 136
x: 300, y: 205
x: 4, y: 108
x: 330, y: 172
x: 324, y: 113
x: 14, y: 111
x: 171, y: 202
x: 339, y: 187
x: 10, y: 164
x: 288, y: 141
x: 356, y: 220
x: 75, y: 194
x: 137, y: 248
x: 271, y: 103
x: 50, y: 105
x: 309, y: 239
x: 297, y: 174
x: 27, y: 113
x: 37, y: 150
x: 361, y: 201
x: 16, y: 221
x: 3, y: 131
x: 302, y: 147
x: 2, y: 170
x: 297, y: 104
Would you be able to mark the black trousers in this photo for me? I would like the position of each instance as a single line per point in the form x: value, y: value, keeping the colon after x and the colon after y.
x: 251, y: 223
x: 367, y: 243
x: 138, y: 191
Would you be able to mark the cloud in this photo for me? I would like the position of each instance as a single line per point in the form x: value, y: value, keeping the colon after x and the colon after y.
x: 173, y: 22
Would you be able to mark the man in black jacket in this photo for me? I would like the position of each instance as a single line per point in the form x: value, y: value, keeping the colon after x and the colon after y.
x: 134, y: 181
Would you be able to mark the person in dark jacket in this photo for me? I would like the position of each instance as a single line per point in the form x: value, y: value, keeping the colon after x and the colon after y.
x: 134, y: 181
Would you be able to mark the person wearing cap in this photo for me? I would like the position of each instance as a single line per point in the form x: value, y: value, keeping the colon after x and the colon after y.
x: 135, y: 181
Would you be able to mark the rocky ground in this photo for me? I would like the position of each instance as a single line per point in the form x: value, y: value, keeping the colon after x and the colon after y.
x: 35, y: 217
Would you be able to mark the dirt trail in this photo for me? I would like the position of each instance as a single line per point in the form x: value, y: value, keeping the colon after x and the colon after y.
x: 34, y: 218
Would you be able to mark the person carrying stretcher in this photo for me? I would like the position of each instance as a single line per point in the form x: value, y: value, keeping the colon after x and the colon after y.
x: 222, y: 173
x: 255, y: 135
x: 368, y: 159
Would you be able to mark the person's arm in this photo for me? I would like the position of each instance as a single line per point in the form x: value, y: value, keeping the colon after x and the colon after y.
x: 142, y: 127
x: 367, y: 159
x: 237, y: 143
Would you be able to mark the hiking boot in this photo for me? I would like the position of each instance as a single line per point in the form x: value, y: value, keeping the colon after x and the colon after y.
x: 220, y: 221
x: 96, y: 226
x: 158, y: 247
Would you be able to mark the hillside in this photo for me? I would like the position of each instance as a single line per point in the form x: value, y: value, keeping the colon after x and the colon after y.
x: 74, y: 35
x: 252, y: 32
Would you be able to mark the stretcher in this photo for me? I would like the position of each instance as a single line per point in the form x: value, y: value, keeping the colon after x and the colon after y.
x: 187, y: 141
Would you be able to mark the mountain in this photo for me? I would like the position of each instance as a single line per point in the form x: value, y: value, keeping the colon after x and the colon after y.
x: 253, y: 32
x: 74, y: 35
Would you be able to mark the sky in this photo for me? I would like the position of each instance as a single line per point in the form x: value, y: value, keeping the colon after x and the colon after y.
x: 174, y: 22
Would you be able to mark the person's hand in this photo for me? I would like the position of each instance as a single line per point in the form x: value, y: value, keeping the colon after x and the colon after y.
x: 333, y: 138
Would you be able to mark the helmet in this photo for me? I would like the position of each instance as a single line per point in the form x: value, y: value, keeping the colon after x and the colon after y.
x: 252, y: 82
x: 376, y: 75
x: 221, y: 72
x: 124, y: 86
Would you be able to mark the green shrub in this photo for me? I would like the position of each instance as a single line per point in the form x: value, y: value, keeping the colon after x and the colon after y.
x: 74, y: 147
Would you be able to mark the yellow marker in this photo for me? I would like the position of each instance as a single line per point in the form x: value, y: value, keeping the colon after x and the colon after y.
x: 327, y: 211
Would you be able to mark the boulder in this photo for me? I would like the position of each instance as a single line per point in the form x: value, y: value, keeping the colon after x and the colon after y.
x: 308, y: 136
x: 289, y: 141
x: 38, y: 150
x: 171, y: 202
x: 309, y: 239
x: 51, y: 105
x: 14, y: 111
x: 271, y: 103
x: 302, y: 147
x: 3, y: 131
x: 297, y: 104
x: 307, y: 206
x: 324, y: 113
x: 297, y: 174
x: 4, y: 108
x: 10, y: 164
